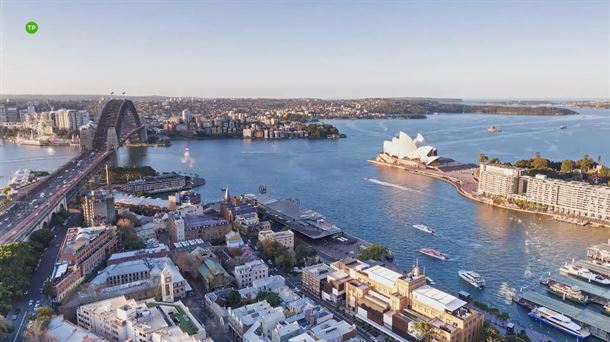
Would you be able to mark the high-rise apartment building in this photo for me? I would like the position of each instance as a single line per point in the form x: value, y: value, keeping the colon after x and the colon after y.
x: 557, y: 196
x: 498, y: 180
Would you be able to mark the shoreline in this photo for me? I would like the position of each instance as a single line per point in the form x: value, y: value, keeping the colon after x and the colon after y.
x: 457, y: 184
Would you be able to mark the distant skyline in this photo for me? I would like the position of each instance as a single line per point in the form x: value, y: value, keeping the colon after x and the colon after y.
x: 321, y: 49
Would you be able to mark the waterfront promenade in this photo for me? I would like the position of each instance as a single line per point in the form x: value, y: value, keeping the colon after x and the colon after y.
x: 466, y: 185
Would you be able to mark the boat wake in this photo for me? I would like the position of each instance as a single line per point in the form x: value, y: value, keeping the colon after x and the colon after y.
x: 506, y: 292
x: 187, y: 159
x: 392, y: 185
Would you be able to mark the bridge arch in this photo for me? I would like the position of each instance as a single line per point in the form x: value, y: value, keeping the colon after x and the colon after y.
x: 120, y: 117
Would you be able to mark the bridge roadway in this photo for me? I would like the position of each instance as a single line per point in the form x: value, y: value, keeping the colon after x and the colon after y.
x: 31, y: 208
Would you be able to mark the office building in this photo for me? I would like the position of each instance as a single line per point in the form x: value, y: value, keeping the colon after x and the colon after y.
x: 165, y: 182
x: 312, y: 278
x: 391, y: 302
x: 498, y: 180
x: 98, y: 208
x: 255, y: 316
x: 121, y: 319
x: 188, y: 227
x: 81, y: 252
x: 284, y: 237
x: 563, y: 198
x: 333, y: 331
x: 249, y: 272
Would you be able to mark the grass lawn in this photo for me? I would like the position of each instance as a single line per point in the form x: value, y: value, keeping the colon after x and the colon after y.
x: 180, y: 318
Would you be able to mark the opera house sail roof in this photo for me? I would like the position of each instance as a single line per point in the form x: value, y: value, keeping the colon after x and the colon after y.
x: 405, y: 147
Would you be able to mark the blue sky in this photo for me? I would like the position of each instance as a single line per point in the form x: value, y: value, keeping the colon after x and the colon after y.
x: 327, y: 49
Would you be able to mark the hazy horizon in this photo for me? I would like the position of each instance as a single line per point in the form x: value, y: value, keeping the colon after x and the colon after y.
x: 296, y: 49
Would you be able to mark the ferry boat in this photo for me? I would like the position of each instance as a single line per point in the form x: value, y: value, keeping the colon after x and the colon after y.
x: 424, y: 228
x: 494, y: 129
x: 571, y: 293
x: 584, y: 273
x: 563, y: 127
x: 434, y: 253
x: 473, y: 278
x: 559, y: 321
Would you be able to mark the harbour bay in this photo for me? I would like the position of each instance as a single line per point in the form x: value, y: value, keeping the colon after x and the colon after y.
x: 511, y: 250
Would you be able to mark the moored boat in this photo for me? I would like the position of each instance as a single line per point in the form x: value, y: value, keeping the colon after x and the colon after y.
x: 424, y: 228
x: 559, y: 321
x: 584, y: 273
x: 566, y: 292
x: 434, y: 253
x: 473, y: 278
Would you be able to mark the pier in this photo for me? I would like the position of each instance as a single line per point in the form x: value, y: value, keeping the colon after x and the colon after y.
x: 289, y: 213
x: 605, y: 271
x: 597, y: 323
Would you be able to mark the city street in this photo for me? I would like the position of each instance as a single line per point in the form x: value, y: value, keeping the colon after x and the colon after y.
x: 34, y: 295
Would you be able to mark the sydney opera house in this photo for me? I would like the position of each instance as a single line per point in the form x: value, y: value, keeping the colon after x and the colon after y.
x: 408, y: 151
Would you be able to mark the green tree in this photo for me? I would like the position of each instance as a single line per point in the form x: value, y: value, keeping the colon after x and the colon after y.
x: 234, y: 299
x: 490, y: 334
x: 524, y: 164
x: 5, y: 328
x: 568, y: 166
x: 373, y: 252
x: 42, y: 236
x: 272, y: 298
x: 300, y: 252
x: 424, y: 330
x: 285, y: 261
x: 585, y: 163
x: 539, y: 162
x: 132, y: 242
x: 47, y: 287
x: 44, y: 315
x: 482, y: 158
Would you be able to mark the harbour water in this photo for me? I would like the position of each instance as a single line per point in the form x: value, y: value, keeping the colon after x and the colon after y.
x: 511, y: 250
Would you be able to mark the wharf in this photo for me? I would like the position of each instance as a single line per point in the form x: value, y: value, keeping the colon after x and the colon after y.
x: 605, y: 271
x: 598, y: 324
x: 595, y: 293
x: 288, y: 212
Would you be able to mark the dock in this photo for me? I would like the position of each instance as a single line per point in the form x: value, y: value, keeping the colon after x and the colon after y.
x: 289, y: 213
x: 596, y: 294
x: 597, y: 323
x: 605, y: 271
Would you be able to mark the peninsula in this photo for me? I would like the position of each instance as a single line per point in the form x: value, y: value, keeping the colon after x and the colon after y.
x: 535, y: 185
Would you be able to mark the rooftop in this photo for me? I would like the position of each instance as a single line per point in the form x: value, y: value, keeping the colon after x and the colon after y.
x: 382, y: 275
x: 77, y: 238
x: 437, y: 299
x: 202, y: 221
x: 64, y: 331
x: 332, y: 330
x: 138, y: 253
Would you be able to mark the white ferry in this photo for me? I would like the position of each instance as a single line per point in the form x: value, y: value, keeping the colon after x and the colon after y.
x: 584, y: 273
x: 424, y: 228
x: 494, y: 129
x: 434, y: 253
x: 473, y: 278
x: 559, y: 321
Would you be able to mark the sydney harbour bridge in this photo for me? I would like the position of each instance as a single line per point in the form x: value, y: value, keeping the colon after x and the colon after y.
x: 35, y: 208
